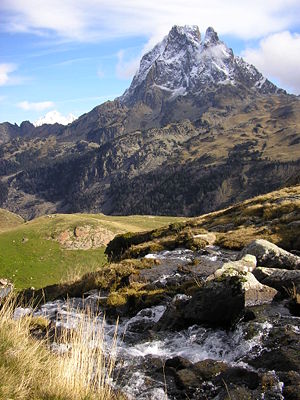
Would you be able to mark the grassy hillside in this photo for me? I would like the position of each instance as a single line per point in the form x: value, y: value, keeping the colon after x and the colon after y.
x: 32, y: 254
x: 9, y: 220
x: 274, y: 216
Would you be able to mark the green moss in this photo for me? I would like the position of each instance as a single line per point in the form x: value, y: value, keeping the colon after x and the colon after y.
x: 116, y: 299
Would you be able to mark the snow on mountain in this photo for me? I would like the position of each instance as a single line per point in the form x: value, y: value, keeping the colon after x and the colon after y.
x: 183, y: 64
x: 53, y: 117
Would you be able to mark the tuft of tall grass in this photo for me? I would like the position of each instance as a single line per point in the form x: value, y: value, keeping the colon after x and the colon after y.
x: 30, y: 371
x: 85, y: 368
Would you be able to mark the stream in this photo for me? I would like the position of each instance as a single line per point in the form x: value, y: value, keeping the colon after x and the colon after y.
x: 142, y: 353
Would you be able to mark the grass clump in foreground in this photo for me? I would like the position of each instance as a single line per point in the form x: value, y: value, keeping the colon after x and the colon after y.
x: 30, y: 371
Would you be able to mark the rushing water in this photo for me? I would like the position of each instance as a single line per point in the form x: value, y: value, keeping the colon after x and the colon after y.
x: 138, y: 349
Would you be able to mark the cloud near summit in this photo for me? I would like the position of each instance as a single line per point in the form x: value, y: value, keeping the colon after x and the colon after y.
x: 278, y: 56
x: 91, y: 20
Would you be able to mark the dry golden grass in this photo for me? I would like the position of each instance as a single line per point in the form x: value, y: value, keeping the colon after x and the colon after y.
x: 29, y: 371
x: 273, y: 216
x: 85, y: 371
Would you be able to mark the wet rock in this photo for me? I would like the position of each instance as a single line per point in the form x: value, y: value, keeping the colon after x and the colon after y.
x: 144, y: 320
x: 6, y: 288
x: 237, y: 393
x: 291, y: 381
x: 294, y: 304
x: 216, y: 304
x: 271, y: 256
x: 187, y: 380
x: 207, y: 369
x: 178, y: 363
x: 280, y: 279
x: 240, y: 377
x: 189, y: 377
x: 249, y: 315
x: 282, y: 349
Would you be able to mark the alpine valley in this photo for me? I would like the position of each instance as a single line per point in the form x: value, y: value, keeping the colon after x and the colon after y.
x: 202, y: 308
x: 197, y: 130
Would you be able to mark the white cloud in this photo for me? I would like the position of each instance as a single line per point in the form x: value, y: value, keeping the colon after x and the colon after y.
x: 99, y: 19
x: 39, y: 106
x: 278, y: 57
x: 125, y: 69
x: 5, y: 71
x: 53, y: 117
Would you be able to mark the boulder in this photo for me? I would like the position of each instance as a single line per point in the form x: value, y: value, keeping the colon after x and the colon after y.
x: 271, y: 256
x: 255, y: 293
x: 244, y: 265
x: 6, y: 288
x: 281, y: 279
x: 216, y: 304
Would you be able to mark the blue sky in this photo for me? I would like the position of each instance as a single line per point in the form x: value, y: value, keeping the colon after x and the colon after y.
x: 68, y: 56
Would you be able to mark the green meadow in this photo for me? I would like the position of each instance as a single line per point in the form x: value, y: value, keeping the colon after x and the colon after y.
x: 31, y: 257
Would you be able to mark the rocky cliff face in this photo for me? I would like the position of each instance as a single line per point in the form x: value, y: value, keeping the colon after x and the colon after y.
x: 197, y: 130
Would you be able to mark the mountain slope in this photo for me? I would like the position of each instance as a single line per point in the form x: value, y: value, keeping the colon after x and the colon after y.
x: 197, y: 130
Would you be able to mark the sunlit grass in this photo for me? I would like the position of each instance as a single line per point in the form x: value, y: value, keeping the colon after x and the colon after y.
x: 30, y: 255
x: 30, y: 371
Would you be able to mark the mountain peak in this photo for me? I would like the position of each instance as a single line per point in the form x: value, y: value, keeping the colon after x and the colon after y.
x: 182, y: 64
x: 211, y: 36
x: 190, y: 32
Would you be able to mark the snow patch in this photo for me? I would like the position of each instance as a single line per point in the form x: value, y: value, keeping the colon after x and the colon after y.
x: 53, y: 117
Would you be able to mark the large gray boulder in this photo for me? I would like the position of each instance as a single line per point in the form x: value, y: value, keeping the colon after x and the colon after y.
x: 271, y: 256
x: 255, y: 293
x: 281, y: 279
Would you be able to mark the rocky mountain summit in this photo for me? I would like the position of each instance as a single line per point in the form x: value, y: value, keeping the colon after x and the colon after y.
x: 183, y: 64
x: 197, y: 130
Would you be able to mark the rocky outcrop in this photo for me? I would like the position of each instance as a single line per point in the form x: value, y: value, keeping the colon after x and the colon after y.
x: 84, y: 238
x: 271, y: 256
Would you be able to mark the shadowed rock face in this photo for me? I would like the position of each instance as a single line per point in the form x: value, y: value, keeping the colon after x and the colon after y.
x: 197, y: 130
x: 216, y: 304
